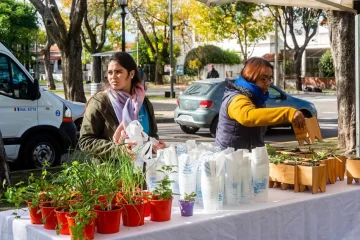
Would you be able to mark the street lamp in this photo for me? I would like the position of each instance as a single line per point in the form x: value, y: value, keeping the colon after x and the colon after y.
x: 123, y: 4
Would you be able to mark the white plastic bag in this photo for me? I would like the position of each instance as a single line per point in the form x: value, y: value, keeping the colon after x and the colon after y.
x: 260, y: 173
x: 187, y: 174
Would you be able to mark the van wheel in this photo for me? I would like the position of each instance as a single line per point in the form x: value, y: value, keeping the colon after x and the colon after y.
x: 214, y: 126
x: 189, y: 130
x: 42, y: 148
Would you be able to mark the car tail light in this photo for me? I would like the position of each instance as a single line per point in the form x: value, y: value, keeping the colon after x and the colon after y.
x: 205, y: 104
x: 177, y: 102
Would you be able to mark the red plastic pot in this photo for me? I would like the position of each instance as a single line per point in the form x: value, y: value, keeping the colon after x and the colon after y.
x: 61, y: 219
x: 133, y: 215
x: 108, y: 221
x: 160, y: 210
x: 48, y: 215
x: 35, y: 214
x: 146, y: 195
x: 89, y: 230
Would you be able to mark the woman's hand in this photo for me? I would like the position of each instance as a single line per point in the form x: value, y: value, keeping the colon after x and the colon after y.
x: 299, y: 120
x: 161, y: 145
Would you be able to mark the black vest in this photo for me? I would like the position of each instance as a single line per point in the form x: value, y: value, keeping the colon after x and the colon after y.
x: 229, y: 132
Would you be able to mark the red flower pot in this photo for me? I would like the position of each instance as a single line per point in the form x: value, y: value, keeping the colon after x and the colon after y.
x: 160, y: 210
x: 61, y: 219
x: 35, y: 214
x: 146, y: 195
x: 89, y: 230
x: 133, y: 215
x: 48, y: 215
x: 108, y: 221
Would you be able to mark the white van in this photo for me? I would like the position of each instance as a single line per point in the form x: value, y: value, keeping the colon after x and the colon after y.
x: 36, y: 126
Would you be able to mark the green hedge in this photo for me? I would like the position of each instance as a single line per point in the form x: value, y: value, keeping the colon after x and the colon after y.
x: 209, y: 54
x: 326, y: 65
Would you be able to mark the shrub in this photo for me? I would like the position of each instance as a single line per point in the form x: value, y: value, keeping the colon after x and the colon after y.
x: 326, y: 66
x: 209, y: 54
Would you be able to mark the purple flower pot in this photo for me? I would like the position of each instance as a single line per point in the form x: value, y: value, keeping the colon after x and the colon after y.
x: 186, y: 208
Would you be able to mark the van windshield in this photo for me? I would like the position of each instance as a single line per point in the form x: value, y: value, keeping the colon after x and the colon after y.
x: 198, y: 89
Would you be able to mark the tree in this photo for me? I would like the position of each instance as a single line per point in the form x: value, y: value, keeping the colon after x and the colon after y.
x: 291, y: 16
x: 152, y: 20
x: 48, y: 70
x: 245, y: 22
x: 342, y: 39
x: 18, y: 28
x: 94, y: 31
x: 68, y: 40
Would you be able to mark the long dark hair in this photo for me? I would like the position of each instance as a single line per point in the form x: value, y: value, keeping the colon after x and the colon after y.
x: 127, y: 62
x: 254, y: 67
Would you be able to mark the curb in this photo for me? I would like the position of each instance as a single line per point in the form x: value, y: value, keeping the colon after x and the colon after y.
x: 311, y: 93
x: 165, y: 120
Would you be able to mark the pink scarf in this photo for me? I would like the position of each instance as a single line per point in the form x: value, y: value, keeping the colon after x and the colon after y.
x: 126, y: 107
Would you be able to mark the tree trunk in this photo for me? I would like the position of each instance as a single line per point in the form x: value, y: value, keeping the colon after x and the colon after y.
x: 298, y: 70
x: 48, y: 70
x: 158, y: 72
x: 72, y: 70
x: 96, y: 70
x: 4, y: 167
x: 342, y: 39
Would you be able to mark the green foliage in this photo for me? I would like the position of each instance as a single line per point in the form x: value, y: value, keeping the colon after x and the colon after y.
x: 270, y: 150
x: 326, y: 65
x: 246, y: 22
x: 209, y: 54
x: 190, y: 197
x: 163, y: 190
x: 18, y: 27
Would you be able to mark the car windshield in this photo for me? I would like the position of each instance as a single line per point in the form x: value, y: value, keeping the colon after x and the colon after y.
x: 198, y: 89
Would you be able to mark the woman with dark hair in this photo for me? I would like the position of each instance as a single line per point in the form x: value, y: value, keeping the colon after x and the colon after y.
x: 243, y: 117
x: 110, y: 111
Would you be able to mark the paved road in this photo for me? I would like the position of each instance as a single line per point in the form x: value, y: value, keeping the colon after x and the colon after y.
x: 327, y: 115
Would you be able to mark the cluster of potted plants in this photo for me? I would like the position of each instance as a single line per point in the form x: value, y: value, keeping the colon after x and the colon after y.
x: 94, y: 193
x: 296, y: 170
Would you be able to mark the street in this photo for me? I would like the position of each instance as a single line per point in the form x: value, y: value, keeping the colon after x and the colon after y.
x: 326, y: 106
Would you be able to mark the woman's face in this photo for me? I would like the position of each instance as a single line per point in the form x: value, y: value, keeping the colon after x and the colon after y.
x: 119, y: 78
x: 264, y: 80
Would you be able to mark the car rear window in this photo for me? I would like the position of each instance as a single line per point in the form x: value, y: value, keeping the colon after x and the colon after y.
x: 198, y: 89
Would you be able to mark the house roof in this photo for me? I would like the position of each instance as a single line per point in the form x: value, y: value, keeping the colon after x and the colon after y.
x: 342, y: 5
x: 109, y: 53
x: 271, y: 57
x: 52, y: 57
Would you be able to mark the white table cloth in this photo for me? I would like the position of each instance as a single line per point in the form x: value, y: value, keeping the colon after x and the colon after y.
x: 333, y: 215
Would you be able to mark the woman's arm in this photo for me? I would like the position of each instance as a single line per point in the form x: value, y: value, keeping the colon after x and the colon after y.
x: 91, y: 133
x: 244, y: 111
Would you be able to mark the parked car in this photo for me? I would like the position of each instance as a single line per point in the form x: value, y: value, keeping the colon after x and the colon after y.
x: 199, y: 105
x: 77, y: 109
x: 36, y: 126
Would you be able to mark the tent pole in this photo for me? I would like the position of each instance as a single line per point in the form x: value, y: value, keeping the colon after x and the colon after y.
x: 357, y: 82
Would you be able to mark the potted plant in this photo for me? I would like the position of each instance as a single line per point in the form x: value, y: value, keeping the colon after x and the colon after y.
x: 161, y: 201
x: 106, y: 177
x: 132, y: 200
x: 312, y: 173
x: 283, y: 171
x: 82, y: 217
x: 33, y: 194
x: 297, y: 152
x: 187, y: 204
x: 353, y: 170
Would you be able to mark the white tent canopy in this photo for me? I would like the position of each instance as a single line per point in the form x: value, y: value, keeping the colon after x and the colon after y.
x: 341, y: 5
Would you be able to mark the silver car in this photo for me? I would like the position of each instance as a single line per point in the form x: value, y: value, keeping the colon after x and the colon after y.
x: 199, y: 105
x: 77, y: 110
